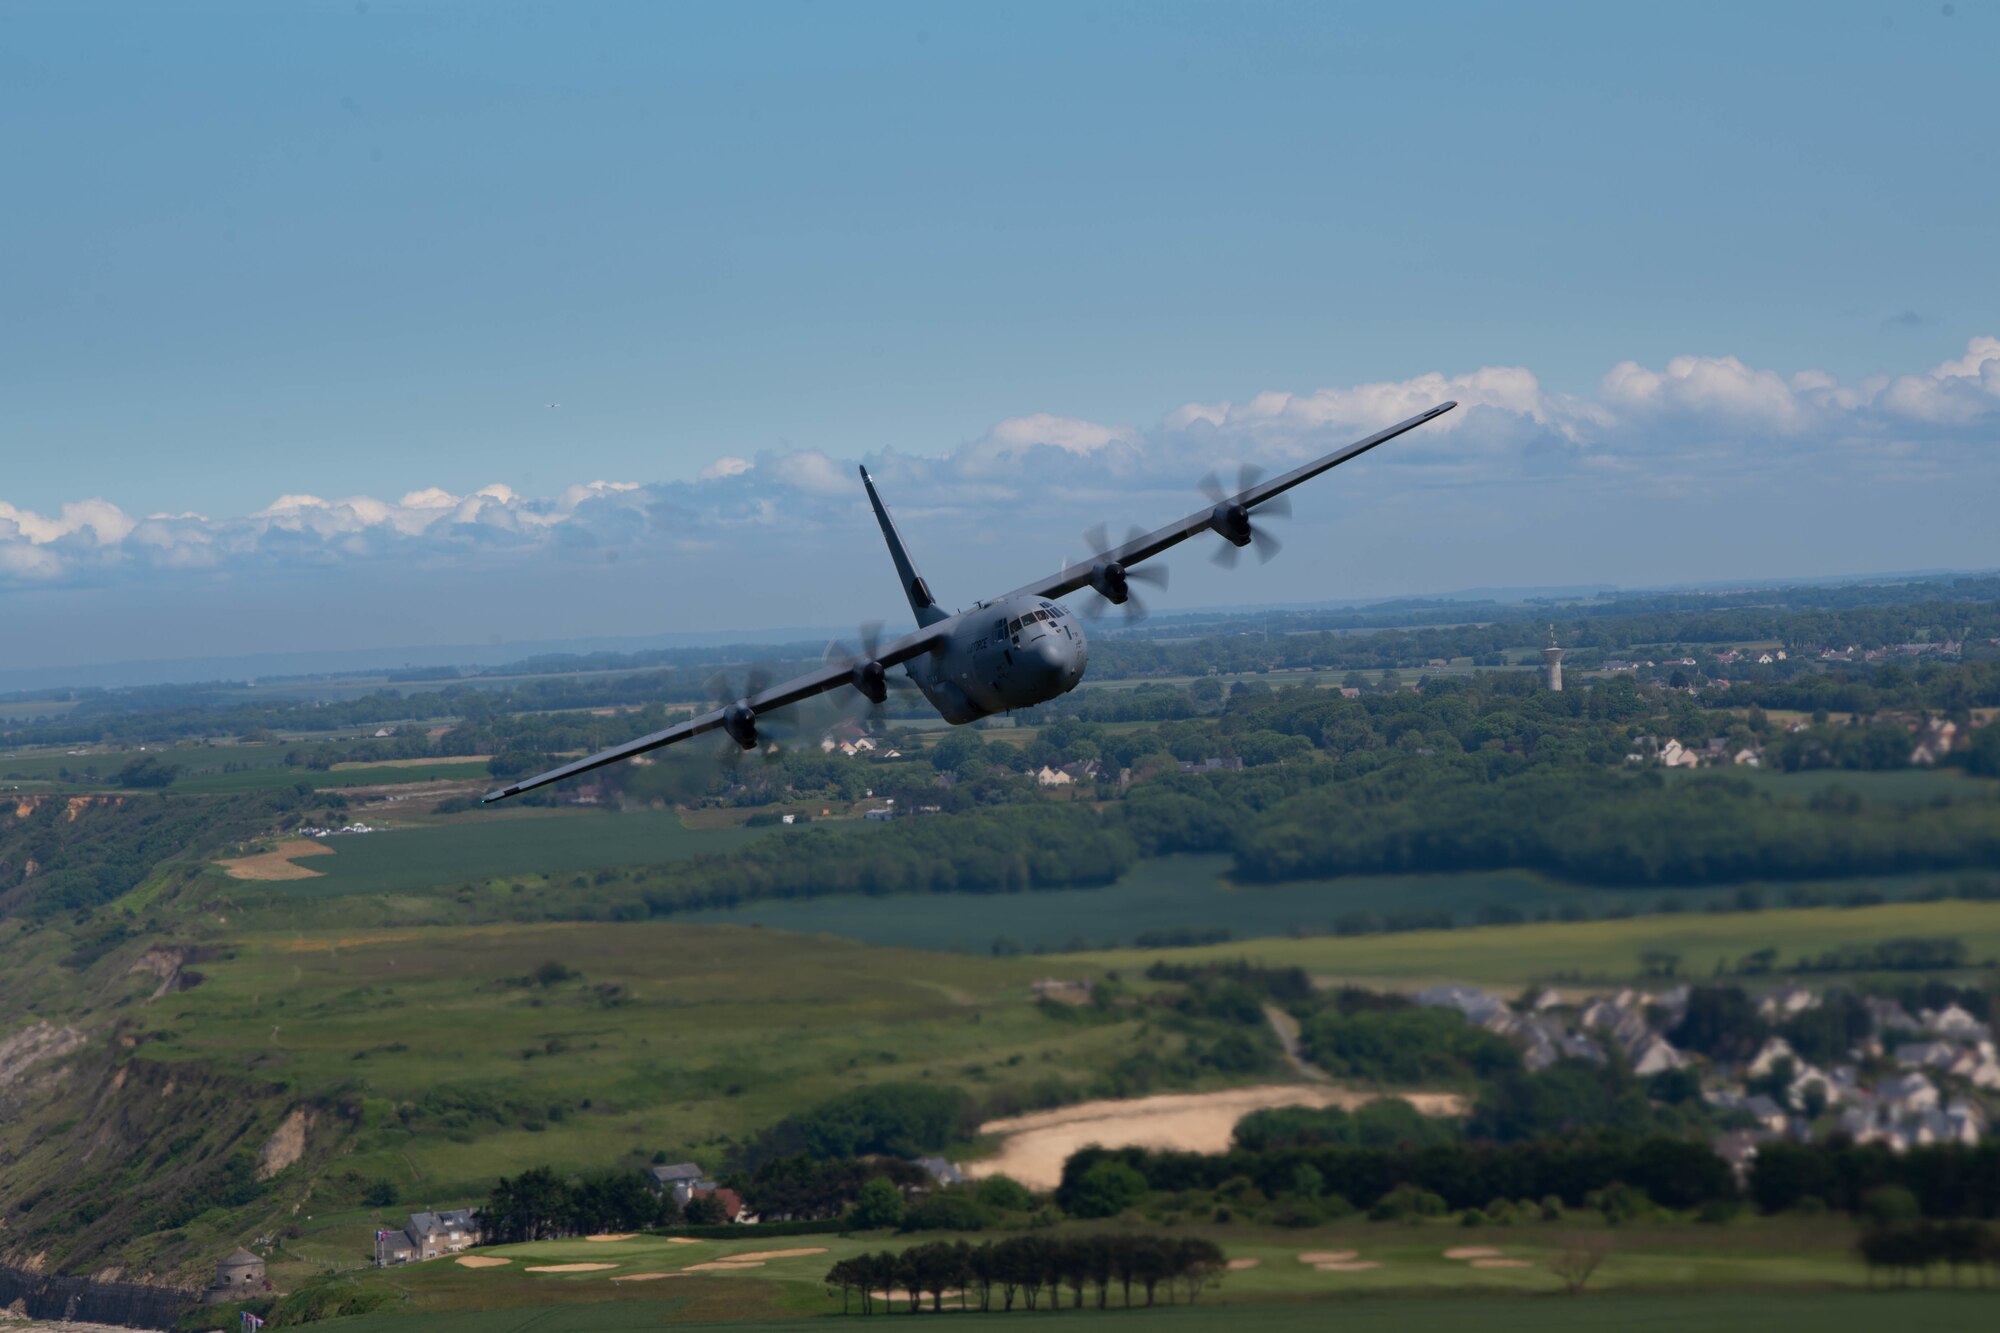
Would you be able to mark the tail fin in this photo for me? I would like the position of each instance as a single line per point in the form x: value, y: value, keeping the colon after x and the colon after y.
x: 922, y: 605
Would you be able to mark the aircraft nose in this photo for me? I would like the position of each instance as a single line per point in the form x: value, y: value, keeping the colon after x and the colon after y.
x: 1047, y: 661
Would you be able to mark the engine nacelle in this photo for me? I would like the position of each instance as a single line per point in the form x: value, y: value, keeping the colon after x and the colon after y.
x: 1232, y: 523
x: 871, y: 680
x: 741, y: 724
x: 1110, y: 582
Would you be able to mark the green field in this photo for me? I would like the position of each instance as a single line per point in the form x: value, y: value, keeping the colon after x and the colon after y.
x: 256, y: 768
x: 1606, y: 951
x: 1822, y: 1312
x: 435, y: 856
x: 710, y: 1033
x: 1191, y: 893
x: 1750, y: 1276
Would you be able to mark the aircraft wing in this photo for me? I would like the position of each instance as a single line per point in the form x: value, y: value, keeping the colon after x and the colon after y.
x: 1144, y: 548
x: 829, y: 677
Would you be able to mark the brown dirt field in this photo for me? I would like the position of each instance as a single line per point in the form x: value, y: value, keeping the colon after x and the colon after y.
x: 412, y: 763
x: 278, y: 864
x: 1501, y: 1263
x: 1036, y: 1145
x: 569, y: 1268
x: 1327, y: 1256
x: 613, y: 1235
x: 760, y: 1255
x: 482, y: 1261
x: 1239, y: 1265
x: 714, y: 1265
x: 1353, y: 1266
x: 1472, y: 1252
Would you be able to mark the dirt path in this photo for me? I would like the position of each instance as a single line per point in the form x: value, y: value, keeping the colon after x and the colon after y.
x: 1287, y: 1029
x: 1035, y: 1146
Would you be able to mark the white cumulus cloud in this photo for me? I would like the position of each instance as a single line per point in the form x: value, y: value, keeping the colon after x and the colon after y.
x: 1665, y: 430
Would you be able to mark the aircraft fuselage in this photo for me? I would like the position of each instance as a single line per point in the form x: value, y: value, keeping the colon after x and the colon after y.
x: 1003, y: 655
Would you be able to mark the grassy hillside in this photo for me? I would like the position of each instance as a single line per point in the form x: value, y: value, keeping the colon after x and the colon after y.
x: 432, y: 1059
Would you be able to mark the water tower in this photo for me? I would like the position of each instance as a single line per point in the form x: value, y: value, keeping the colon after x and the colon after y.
x: 1552, y: 663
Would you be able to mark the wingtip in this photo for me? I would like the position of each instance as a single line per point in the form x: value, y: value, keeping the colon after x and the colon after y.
x: 492, y: 796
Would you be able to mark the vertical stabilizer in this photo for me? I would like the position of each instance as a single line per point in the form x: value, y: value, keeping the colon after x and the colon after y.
x: 922, y: 605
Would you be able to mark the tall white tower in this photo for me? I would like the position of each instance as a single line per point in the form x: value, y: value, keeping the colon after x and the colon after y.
x: 1552, y: 663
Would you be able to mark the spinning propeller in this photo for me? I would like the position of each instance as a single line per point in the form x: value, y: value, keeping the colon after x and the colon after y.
x: 867, y: 675
x: 1112, y: 581
x: 740, y: 723
x: 1231, y: 518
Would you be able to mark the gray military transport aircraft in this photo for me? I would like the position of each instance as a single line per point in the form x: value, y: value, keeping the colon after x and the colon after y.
x: 1013, y: 651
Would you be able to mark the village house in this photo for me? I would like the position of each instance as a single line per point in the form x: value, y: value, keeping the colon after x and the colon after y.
x: 1675, y: 755
x: 427, y: 1236
x: 941, y: 1171
x: 666, y: 1178
x: 1789, y: 999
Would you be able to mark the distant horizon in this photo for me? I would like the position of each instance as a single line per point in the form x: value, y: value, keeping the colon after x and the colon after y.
x: 138, y: 672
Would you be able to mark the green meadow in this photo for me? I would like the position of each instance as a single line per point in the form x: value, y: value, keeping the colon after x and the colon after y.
x: 1823, y: 1312
x: 1192, y: 893
x: 1750, y: 1276
x: 1600, y: 951
x: 511, y: 844
x: 672, y: 1038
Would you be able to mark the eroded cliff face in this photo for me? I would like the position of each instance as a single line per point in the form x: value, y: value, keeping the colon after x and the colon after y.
x: 42, y: 1044
x: 110, y: 1158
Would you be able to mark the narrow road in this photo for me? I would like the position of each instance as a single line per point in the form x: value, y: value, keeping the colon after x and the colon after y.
x: 1287, y: 1029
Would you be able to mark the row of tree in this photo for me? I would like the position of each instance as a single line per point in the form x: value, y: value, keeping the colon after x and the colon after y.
x: 1916, y: 1248
x: 541, y: 1204
x: 1030, y: 1271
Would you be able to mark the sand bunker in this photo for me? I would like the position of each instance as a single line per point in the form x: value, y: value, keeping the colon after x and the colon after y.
x: 1354, y: 1266
x: 278, y: 864
x: 1472, y: 1252
x: 481, y: 1261
x: 718, y: 1266
x: 1327, y: 1256
x: 613, y: 1235
x: 1238, y: 1265
x: 1501, y: 1263
x: 684, y: 1240
x: 642, y: 1277
x: 570, y: 1268
x: 1035, y: 1146
x: 760, y: 1255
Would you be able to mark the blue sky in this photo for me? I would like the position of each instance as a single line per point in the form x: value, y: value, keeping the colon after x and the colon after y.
x: 354, y: 252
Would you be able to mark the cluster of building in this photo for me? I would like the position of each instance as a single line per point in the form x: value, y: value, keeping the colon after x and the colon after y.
x: 1854, y: 653
x: 852, y: 743
x: 1945, y: 1059
x: 1716, y: 752
x: 428, y: 1236
x: 313, y: 831
x: 432, y: 1235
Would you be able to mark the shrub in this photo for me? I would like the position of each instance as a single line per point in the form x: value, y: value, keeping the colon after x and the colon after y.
x: 1406, y: 1203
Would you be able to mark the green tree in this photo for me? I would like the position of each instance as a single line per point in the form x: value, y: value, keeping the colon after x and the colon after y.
x: 878, y: 1205
x: 1107, y: 1189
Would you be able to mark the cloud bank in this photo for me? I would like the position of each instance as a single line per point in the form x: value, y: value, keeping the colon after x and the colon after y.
x: 1696, y: 422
